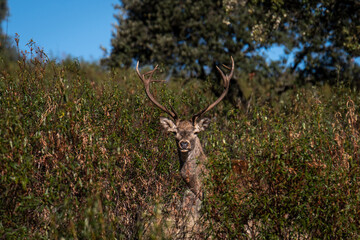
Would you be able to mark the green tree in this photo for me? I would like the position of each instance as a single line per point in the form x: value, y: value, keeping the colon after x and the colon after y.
x: 190, y: 37
x: 7, y: 51
x: 3, y: 10
x: 323, y: 34
x: 187, y: 37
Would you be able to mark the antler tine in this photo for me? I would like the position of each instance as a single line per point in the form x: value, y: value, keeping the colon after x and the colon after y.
x: 147, y: 82
x: 226, y: 80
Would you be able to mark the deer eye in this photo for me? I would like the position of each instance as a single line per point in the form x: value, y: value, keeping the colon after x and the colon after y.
x: 174, y: 132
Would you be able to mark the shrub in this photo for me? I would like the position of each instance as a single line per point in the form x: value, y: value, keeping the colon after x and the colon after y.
x: 83, y: 157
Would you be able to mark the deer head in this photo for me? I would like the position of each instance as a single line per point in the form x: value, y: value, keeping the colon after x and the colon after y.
x: 192, y: 157
x: 185, y: 131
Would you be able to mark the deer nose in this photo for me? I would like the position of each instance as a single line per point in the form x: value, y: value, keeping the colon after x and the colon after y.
x: 184, y: 144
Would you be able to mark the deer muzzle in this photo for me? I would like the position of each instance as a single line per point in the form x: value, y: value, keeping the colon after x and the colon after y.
x: 184, y: 146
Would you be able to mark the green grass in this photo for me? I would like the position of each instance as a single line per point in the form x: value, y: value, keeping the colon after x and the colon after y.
x: 83, y: 155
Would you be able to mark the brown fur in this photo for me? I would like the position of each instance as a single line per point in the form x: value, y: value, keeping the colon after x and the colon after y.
x: 191, y: 155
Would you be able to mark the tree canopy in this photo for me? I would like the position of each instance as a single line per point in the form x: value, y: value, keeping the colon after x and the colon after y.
x: 324, y: 35
x: 191, y: 37
x: 3, y: 9
x: 7, y: 51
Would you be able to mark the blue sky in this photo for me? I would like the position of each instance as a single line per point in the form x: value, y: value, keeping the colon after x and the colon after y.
x: 68, y: 27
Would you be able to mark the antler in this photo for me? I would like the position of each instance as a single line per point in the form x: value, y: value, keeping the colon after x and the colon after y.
x: 147, y: 82
x: 226, y: 79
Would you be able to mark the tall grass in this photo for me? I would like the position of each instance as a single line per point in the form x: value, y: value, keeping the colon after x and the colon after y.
x: 83, y: 157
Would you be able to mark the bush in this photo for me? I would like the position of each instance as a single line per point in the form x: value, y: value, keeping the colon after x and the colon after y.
x: 83, y: 157
x: 291, y: 174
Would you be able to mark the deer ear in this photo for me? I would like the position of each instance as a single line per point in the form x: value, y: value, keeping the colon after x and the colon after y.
x: 168, y: 125
x: 202, y: 124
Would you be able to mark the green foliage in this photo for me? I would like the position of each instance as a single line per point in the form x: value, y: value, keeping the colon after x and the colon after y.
x: 74, y: 153
x: 289, y: 174
x: 184, y: 35
x: 3, y: 10
x: 83, y: 157
x: 190, y: 37
x: 322, y: 34
x: 7, y: 51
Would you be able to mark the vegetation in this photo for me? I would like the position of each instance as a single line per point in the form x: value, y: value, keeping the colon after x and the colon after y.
x: 323, y: 35
x: 83, y: 156
x: 190, y: 37
x: 3, y: 10
x: 7, y: 50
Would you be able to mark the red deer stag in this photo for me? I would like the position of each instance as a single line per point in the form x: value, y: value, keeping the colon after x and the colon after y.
x: 191, y: 154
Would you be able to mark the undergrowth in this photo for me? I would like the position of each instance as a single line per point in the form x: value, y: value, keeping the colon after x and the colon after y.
x: 83, y: 157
